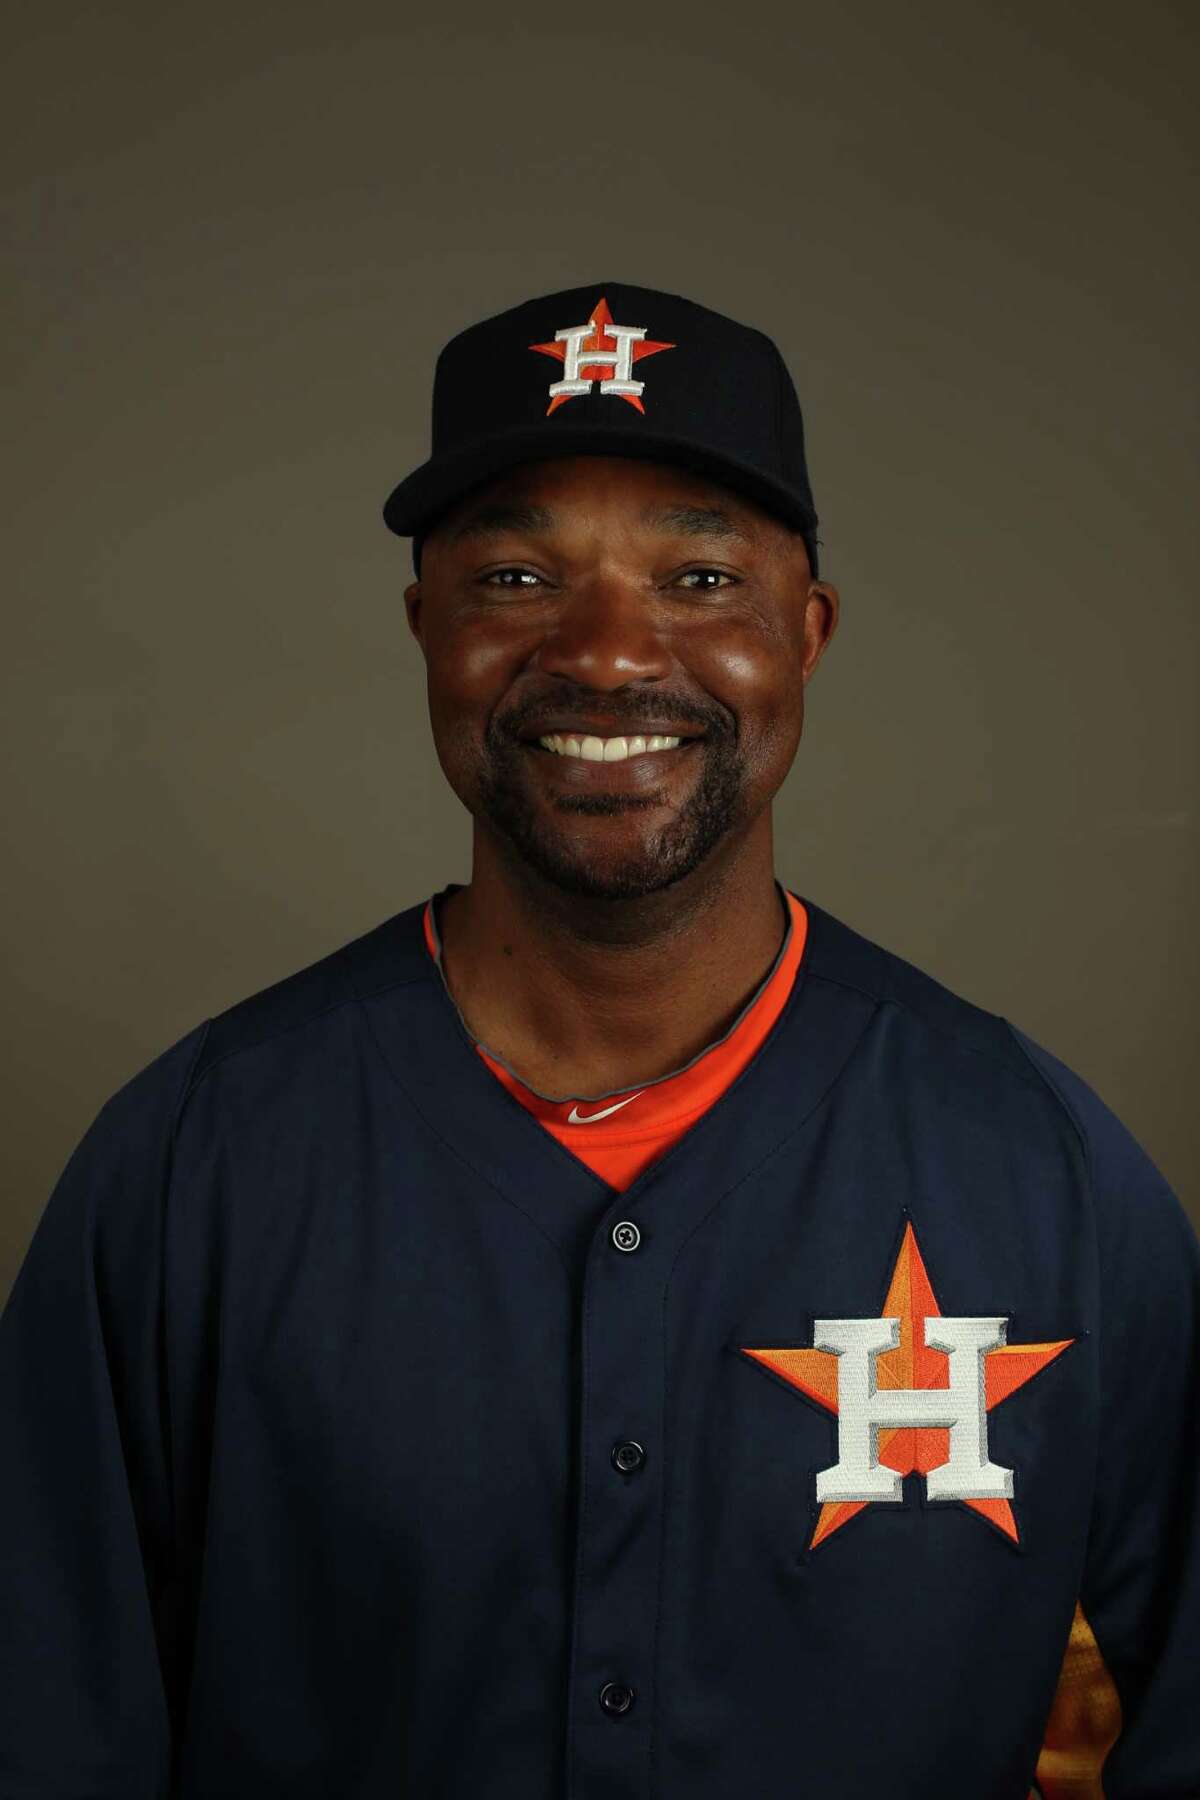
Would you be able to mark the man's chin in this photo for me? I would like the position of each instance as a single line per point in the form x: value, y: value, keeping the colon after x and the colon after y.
x: 605, y: 847
x: 596, y: 874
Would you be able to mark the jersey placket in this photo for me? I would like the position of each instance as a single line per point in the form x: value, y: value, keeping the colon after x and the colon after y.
x: 619, y: 1529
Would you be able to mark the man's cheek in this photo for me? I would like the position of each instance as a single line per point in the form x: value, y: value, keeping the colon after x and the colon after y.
x: 482, y: 661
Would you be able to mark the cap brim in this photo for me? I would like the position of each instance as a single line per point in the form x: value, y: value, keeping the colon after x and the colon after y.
x: 416, y: 503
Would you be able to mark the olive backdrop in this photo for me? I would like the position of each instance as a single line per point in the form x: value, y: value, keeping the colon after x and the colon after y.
x: 235, y: 240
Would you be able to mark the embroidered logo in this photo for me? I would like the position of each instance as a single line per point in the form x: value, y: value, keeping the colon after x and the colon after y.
x: 575, y: 1117
x: 911, y: 1391
x: 599, y: 351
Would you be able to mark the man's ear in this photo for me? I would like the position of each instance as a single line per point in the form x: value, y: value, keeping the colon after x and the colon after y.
x: 822, y: 609
x: 412, y: 606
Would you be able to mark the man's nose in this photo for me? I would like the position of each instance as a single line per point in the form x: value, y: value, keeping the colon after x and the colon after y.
x: 605, y: 634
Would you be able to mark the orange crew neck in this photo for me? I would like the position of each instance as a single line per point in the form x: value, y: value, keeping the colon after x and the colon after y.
x: 621, y: 1133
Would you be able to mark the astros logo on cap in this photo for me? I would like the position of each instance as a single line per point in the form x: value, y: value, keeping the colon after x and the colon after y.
x: 911, y: 1391
x: 588, y: 352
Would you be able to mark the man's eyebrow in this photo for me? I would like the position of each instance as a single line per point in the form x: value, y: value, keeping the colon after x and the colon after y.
x: 494, y: 516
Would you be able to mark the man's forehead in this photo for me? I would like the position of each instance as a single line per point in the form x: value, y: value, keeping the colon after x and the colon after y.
x: 546, y: 497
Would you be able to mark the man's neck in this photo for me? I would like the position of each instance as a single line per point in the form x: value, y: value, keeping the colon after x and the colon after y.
x: 586, y: 997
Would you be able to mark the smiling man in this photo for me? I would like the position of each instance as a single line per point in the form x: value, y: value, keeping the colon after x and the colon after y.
x: 612, y: 1329
x: 617, y: 652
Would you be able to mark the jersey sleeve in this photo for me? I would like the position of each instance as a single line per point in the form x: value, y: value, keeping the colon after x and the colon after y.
x: 1141, y: 1583
x: 85, y: 1492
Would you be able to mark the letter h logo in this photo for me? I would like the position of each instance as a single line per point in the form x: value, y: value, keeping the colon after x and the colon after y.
x: 864, y: 1408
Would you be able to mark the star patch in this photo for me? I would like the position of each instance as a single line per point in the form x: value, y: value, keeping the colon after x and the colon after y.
x: 911, y: 1390
x: 599, y: 351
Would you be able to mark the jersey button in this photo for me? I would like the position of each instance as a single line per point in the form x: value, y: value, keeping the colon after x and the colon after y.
x: 625, y: 1235
x: 616, y: 1698
x: 627, y: 1457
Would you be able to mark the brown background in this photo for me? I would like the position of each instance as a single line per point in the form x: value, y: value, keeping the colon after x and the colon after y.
x: 235, y: 247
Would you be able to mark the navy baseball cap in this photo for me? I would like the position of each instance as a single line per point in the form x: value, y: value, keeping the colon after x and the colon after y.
x: 611, y: 370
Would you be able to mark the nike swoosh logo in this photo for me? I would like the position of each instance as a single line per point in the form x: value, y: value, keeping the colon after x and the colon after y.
x: 575, y: 1117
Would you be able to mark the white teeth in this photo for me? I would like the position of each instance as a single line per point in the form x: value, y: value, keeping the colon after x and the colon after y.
x: 613, y: 749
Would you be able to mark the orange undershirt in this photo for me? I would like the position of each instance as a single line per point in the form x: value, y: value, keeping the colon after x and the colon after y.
x: 645, y: 1122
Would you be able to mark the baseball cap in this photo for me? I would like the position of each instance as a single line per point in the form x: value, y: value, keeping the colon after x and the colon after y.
x: 611, y: 370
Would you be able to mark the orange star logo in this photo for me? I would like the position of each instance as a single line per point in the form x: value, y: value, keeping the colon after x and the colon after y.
x: 620, y: 347
x: 912, y: 1364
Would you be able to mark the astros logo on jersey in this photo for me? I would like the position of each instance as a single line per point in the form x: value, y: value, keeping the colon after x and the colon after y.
x: 911, y: 1391
x: 589, y: 352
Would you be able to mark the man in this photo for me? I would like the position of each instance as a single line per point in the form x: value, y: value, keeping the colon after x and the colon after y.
x: 611, y: 1330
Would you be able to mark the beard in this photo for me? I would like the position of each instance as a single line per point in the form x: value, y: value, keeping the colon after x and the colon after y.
x: 666, y: 854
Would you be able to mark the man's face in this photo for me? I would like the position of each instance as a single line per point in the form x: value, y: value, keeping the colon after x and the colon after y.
x: 602, y: 598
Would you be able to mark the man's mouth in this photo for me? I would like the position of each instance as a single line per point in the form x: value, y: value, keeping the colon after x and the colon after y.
x: 607, y: 749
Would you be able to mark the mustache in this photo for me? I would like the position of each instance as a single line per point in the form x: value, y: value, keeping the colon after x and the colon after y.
x: 625, y: 714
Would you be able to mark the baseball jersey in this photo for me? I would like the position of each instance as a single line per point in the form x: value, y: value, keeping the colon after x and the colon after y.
x: 357, y: 1438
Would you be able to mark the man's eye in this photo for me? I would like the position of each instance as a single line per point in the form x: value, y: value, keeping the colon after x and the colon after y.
x: 719, y: 573
x: 497, y: 575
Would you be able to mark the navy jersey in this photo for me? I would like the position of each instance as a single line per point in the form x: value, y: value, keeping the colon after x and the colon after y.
x: 357, y: 1441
